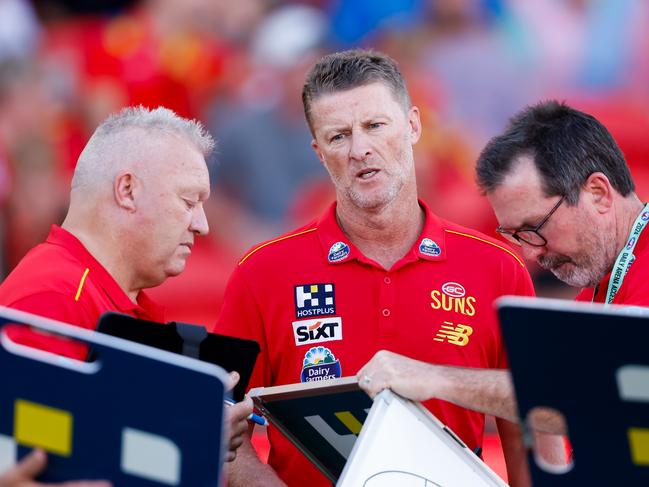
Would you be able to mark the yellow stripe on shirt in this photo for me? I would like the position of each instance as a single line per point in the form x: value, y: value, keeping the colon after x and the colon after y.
x: 83, y: 279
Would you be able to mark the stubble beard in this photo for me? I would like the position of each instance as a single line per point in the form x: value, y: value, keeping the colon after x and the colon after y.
x: 589, y: 267
x: 396, y: 178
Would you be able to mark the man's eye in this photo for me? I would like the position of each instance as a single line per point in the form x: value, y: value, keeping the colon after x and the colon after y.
x: 336, y: 138
x: 375, y: 125
x: 190, y: 204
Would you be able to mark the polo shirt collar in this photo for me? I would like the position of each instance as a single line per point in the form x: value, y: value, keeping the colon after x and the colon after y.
x: 338, y: 249
x: 145, y: 306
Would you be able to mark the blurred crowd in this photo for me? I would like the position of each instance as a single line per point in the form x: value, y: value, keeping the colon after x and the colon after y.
x: 238, y: 66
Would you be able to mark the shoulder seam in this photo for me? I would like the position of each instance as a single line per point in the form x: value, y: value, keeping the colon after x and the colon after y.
x: 504, y: 249
x: 279, y: 239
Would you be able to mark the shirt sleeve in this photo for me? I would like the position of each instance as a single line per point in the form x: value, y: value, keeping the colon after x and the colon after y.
x: 516, y: 282
x: 57, y: 307
x: 240, y: 317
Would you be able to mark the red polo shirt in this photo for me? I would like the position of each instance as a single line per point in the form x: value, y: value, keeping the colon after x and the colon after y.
x: 60, y: 279
x: 320, y: 309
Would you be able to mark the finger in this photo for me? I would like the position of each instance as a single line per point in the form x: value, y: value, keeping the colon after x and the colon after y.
x: 230, y: 456
x: 234, y: 379
x: 31, y: 465
x: 240, y: 410
x: 235, y: 443
x: 238, y: 429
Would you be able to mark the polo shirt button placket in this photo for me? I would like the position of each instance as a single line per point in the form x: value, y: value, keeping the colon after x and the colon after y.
x: 386, y: 304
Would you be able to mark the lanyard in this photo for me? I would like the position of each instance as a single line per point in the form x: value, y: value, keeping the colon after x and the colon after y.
x: 626, y: 257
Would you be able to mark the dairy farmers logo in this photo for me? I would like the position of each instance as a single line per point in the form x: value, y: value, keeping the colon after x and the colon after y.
x: 338, y: 252
x: 453, y: 297
x: 429, y: 247
x: 319, y: 330
x: 320, y: 364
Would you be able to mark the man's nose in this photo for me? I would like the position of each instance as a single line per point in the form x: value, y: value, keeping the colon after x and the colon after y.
x: 531, y: 252
x: 199, y: 223
x: 360, y: 146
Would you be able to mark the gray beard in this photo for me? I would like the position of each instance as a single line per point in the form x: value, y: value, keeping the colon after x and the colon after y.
x: 588, y: 268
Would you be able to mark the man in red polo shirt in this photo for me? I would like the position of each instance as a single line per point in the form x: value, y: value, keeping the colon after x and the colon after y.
x: 562, y: 191
x: 377, y: 271
x: 136, y: 206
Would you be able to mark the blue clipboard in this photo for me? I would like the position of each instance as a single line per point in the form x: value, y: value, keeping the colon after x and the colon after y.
x: 136, y: 416
x: 591, y: 363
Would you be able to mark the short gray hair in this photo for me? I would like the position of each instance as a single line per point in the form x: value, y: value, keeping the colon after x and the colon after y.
x: 122, y: 136
x: 346, y: 70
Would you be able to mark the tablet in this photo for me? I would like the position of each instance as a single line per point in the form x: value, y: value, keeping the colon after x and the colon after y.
x: 190, y: 340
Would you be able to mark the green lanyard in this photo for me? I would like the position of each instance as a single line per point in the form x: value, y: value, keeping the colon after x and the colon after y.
x: 626, y: 257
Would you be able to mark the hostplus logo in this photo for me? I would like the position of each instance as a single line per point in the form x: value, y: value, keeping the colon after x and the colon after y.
x: 314, y: 300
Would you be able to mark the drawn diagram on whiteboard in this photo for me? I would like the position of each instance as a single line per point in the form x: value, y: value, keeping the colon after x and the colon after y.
x: 396, y: 477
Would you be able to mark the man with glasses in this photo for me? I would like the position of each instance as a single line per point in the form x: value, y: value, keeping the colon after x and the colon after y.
x: 562, y: 191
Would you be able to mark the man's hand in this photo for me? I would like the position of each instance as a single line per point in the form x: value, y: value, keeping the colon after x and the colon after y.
x: 23, y: 474
x: 407, y: 377
x: 236, y: 415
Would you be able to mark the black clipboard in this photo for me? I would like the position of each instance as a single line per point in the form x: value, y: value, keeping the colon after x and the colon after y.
x: 190, y: 340
x: 591, y: 363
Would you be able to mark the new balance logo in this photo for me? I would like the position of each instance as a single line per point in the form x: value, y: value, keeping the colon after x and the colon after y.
x: 454, y: 334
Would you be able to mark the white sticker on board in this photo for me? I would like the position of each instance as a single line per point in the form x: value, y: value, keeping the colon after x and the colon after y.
x: 150, y: 456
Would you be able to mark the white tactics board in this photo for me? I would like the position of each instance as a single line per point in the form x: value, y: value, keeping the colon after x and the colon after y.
x: 403, y: 444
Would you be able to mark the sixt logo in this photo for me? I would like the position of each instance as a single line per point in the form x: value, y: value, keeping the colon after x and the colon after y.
x: 317, y: 331
x: 645, y: 216
x: 452, y: 297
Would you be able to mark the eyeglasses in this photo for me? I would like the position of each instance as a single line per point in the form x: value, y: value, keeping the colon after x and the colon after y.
x: 530, y: 236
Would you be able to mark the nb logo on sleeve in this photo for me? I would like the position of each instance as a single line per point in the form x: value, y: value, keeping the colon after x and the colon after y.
x: 454, y: 334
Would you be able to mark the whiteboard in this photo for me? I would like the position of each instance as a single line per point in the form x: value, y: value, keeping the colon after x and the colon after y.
x: 403, y: 444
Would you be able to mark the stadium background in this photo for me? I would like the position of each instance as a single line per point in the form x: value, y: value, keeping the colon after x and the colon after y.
x: 238, y: 67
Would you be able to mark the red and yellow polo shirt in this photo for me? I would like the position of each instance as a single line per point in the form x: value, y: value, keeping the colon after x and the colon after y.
x: 320, y: 309
x: 60, y: 279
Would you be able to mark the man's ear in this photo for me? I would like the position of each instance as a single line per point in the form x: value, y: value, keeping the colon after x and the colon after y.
x: 125, y: 189
x: 599, y: 191
x: 414, y: 122
x: 318, y: 152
